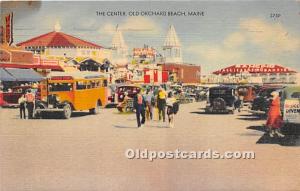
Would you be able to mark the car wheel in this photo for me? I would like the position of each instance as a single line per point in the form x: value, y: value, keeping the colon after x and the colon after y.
x: 67, y: 111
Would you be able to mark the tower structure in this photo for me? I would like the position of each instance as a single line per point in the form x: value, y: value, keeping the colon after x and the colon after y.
x: 119, y: 47
x: 172, y: 47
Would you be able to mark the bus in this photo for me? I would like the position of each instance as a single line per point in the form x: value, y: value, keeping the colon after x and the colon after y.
x: 63, y: 93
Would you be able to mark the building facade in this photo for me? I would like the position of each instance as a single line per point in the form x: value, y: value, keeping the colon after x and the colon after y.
x: 265, y: 73
x: 57, y: 44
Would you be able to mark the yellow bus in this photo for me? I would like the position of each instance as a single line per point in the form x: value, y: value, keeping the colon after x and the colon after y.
x: 64, y: 93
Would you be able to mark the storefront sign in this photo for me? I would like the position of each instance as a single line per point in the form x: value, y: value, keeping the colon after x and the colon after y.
x: 292, y: 111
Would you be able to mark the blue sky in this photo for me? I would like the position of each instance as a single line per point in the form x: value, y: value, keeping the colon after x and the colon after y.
x: 229, y: 33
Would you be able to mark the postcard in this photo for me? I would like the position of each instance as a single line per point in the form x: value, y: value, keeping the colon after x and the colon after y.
x: 149, y: 95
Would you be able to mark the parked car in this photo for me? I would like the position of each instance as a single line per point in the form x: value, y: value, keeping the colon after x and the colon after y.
x: 261, y: 103
x: 10, y: 98
x: 248, y: 93
x: 221, y: 99
x: 290, y: 107
x: 131, y: 90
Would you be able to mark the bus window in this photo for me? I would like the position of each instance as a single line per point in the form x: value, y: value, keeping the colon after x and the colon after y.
x: 94, y: 84
x: 88, y: 85
x: 98, y: 83
x: 60, y: 87
x: 104, y: 83
x: 80, y: 86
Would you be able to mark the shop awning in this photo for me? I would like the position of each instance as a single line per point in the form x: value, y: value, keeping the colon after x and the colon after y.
x: 5, y: 76
x: 28, y: 75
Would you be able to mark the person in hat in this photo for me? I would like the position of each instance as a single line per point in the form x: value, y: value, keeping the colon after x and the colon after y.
x: 161, y: 104
x: 274, y: 121
x: 140, y: 106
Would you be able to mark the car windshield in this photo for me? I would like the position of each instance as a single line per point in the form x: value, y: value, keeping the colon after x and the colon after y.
x: 19, y: 90
x: 59, y: 87
x: 220, y: 91
x: 266, y: 92
x: 128, y: 89
x: 295, y: 95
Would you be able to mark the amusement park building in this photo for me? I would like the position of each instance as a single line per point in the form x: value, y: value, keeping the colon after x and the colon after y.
x: 269, y: 73
x: 59, y: 44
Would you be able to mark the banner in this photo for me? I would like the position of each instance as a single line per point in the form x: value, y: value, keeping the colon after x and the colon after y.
x: 8, y: 29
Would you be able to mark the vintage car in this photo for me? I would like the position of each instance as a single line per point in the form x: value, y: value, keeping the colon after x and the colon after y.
x: 129, y: 90
x: 248, y: 93
x: 10, y: 98
x: 261, y: 103
x: 290, y: 107
x: 201, y: 93
x: 221, y: 99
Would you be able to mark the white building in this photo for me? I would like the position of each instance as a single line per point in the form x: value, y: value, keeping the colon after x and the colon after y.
x: 172, y: 47
x: 59, y: 44
x: 119, y: 49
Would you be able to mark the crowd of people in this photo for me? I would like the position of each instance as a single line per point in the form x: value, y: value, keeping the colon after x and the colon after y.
x: 148, y: 106
x: 146, y: 103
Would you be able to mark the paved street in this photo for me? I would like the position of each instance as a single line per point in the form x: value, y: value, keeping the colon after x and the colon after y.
x: 87, y: 153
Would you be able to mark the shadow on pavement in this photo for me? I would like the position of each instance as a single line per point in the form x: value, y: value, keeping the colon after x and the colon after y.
x: 249, y: 117
x: 80, y: 114
x: 123, y: 127
x: 289, y: 139
x: 204, y: 113
x: 51, y: 115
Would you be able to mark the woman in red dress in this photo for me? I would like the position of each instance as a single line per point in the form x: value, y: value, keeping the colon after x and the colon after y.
x: 274, y: 121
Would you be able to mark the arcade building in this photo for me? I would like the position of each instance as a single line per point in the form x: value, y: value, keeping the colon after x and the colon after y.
x: 268, y: 73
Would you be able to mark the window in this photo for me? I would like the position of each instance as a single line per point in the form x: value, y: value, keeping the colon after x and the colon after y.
x: 88, y: 85
x: 94, y: 84
x: 295, y: 95
x: 60, y: 87
x: 80, y: 86
x: 104, y: 83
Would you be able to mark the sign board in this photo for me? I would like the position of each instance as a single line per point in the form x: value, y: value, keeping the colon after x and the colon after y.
x: 8, y: 28
x: 144, y: 52
x: 291, y: 113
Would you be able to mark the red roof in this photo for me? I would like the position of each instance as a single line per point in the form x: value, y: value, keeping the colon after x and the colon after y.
x: 254, y: 68
x: 57, y: 39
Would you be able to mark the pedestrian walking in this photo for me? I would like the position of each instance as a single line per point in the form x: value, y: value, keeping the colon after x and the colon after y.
x: 30, y: 98
x: 172, y: 108
x: 22, y: 103
x: 274, y: 121
x: 149, y: 104
x: 161, y: 104
x: 140, y: 105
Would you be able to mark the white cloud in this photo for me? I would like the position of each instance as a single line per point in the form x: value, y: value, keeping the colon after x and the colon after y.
x: 234, y: 40
x: 272, y: 40
x: 107, y: 29
x: 141, y: 25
